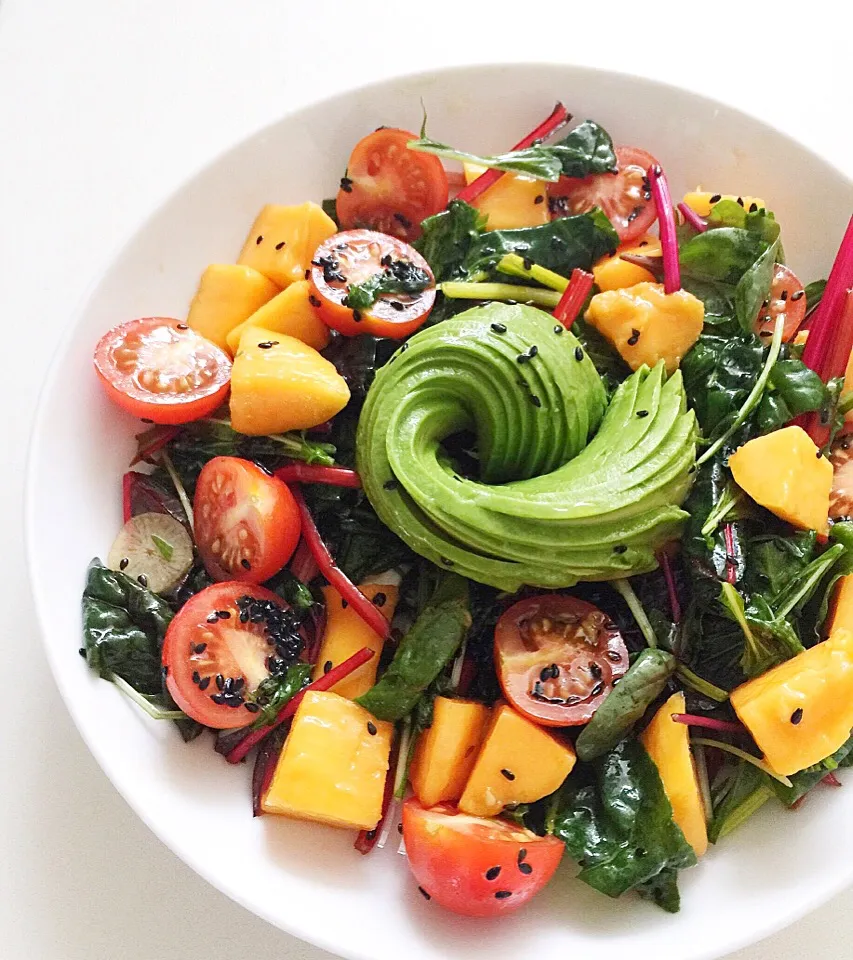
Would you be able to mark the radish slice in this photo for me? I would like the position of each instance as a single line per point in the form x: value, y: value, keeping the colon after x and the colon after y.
x: 154, y: 549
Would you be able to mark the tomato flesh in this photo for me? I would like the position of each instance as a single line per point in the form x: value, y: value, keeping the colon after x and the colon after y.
x: 246, y: 522
x: 624, y: 196
x: 158, y: 369
x: 787, y: 299
x: 389, y: 187
x: 557, y: 658
x: 223, y: 643
x: 474, y: 866
x: 350, y: 258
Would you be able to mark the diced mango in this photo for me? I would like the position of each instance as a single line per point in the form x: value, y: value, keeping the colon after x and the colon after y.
x: 518, y: 763
x: 701, y: 201
x: 346, y: 633
x: 447, y: 751
x: 513, y: 201
x: 333, y: 767
x: 784, y: 472
x: 282, y: 240
x: 279, y: 383
x: 668, y: 744
x: 614, y: 273
x: 841, y: 614
x: 647, y: 325
x: 227, y: 295
x: 801, y: 712
x: 289, y: 312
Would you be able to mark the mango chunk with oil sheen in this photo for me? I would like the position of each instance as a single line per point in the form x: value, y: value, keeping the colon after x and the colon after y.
x: 784, y: 472
x: 801, y: 712
x: 513, y: 201
x: 646, y: 325
x: 333, y: 765
x: 290, y: 312
x: 227, y: 295
x: 614, y: 273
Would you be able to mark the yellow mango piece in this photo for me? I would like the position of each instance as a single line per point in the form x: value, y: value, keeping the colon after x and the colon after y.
x: 227, y: 295
x: 332, y: 768
x: 700, y: 201
x: 647, y: 325
x: 668, y: 744
x: 841, y: 614
x: 282, y: 240
x: 513, y: 201
x: 283, y: 385
x: 784, y: 472
x: 288, y: 312
x: 614, y: 273
x: 346, y: 633
x: 518, y: 763
x: 447, y: 751
x: 801, y: 712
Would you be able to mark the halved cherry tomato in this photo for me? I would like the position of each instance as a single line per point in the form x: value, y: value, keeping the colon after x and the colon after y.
x: 474, y: 866
x: 246, y: 522
x: 158, y: 369
x: 221, y: 645
x: 787, y: 298
x: 557, y: 658
x: 624, y: 195
x: 350, y: 258
x: 390, y: 188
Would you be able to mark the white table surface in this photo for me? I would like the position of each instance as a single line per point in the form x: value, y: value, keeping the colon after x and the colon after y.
x: 105, y: 107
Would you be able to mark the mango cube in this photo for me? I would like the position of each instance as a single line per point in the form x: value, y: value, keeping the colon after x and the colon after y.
x: 801, y: 712
x: 279, y: 383
x: 784, y: 472
x: 447, y: 751
x: 227, y: 295
x: 333, y: 767
x: 702, y: 201
x: 290, y: 312
x: 668, y: 744
x: 614, y: 273
x: 514, y: 201
x: 282, y: 241
x: 519, y: 763
x: 647, y: 325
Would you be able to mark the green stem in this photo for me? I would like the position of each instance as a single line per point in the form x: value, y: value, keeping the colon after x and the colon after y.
x: 624, y: 587
x: 737, y: 752
x: 704, y: 783
x: 845, y: 404
x: 459, y: 290
x: 166, y: 460
x: 723, y: 508
x: 513, y: 264
x: 401, y: 775
x: 750, y: 804
x: 156, y: 713
x: 696, y: 683
x: 755, y: 395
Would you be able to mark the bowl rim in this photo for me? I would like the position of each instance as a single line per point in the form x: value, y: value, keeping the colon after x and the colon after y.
x: 814, y: 898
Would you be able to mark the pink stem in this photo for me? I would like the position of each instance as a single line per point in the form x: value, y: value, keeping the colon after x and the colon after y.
x: 731, y: 559
x: 721, y: 726
x: 666, y: 226
x: 670, y: 586
x: 693, y: 218
x: 831, y: 780
x: 313, y: 473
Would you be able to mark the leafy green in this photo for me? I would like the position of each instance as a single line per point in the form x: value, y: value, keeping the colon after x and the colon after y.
x: 729, y: 213
x: 722, y: 255
x: 618, y: 825
x: 806, y: 780
x: 588, y: 149
x: 753, y: 288
x: 814, y: 294
x: 330, y: 208
x: 769, y: 638
x: 746, y: 792
x: 398, y: 276
x: 275, y: 692
x: 447, y: 239
x: 431, y: 642
x: 164, y: 548
x: 626, y: 703
x: 292, y: 590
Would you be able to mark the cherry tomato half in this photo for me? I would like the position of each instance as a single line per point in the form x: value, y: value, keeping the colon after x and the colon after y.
x: 350, y: 258
x: 220, y: 647
x: 474, y: 866
x: 624, y: 195
x: 158, y: 369
x: 557, y: 658
x: 246, y: 522
x: 389, y: 187
x: 787, y: 298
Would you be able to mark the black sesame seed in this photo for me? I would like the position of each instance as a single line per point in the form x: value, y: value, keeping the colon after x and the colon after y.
x: 259, y: 240
x: 223, y: 614
x: 503, y: 894
x: 379, y: 599
x: 239, y: 683
x: 356, y: 315
x: 143, y: 580
x: 595, y: 670
x: 784, y: 295
x: 315, y: 301
x: 533, y: 351
x: 620, y: 548
x: 182, y: 326
x: 522, y: 358
x: 200, y: 648
x: 196, y: 676
x: 642, y: 413
x: 251, y: 707
x: 344, y: 604
x: 597, y: 689
x: 396, y: 305
x: 508, y: 774
x: 499, y: 327
x: 535, y: 401
x: 278, y: 246
x: 212, y: 617
x: 753, y: 207
x: 765, y: 333
x: 82, y: 651
x: 578, y: 354
x: 122, y: 564
x: 740, y: 201
x: 387, y: 260
x: 220, y: 681
x: 527, y: 263
x: 558, y: 329
x: 716, y: 198
x: 797, y: 716
x: 391, y: 485
x: 493, y: 873
x: 447, y: 561
x: 522, y: 855
x: 403, y: 220
x: 525, y: 868
x: 346, y: 184
x: 267, y: 344
x: 327, y: 666
x: 218, y: 698
x: 424, y: 894
x: 634, y: 338
x: 204, y: 684
x: 244, y: 563
x: 539, y: 198
x: 308, y: 274
x: 371, y: 728
x: 798, y: 295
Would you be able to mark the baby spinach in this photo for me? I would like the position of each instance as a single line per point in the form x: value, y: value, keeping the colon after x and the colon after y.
x: 722, y: 255
x: 616, y: 822
x: 729, y: 213
x: 398, y: 276
x: 447, y: 238
x: 814, y: 294
x: 753, y: 288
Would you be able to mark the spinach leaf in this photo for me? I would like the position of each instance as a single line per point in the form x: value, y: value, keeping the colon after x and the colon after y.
x: 588, y: 149
x: 330, y: 208
x: 398, y: 276
x: 775, y: 559
x: 801, y: 389
x: 753, y: 288
x: 748, y: 790
x: 814, y: 294
x: 723, y: 255
x: 619, y: 827
x: 123, y: 628
x: 729, y: 213
x: 806, y: 780
x: 423, y: 652
x: 275, y: 692
x: 447, y: 239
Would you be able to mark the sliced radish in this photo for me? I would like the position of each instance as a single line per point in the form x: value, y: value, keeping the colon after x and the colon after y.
x: 154, y: 549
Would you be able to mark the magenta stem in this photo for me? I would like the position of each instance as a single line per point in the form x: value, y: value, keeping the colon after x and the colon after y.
x: 670, y: 586
x: 721, y: 726
x: 693, y: 218
x: 666, y: 227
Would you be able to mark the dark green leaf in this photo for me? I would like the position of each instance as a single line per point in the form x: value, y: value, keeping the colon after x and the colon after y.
x: 729, y: 213
x: 722, y: 255
x: 588, y: 149
x: 447, y: 239
x: 330, y: 208
x: 277, y: 691
x: 745, y: 794
x: 753, y: 288
x: 814, y: 294
x: 806, y: 780
x: 800, y: 387
x: 399, y: 276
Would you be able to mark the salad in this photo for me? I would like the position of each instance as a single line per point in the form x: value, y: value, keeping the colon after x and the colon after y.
x: 498, y: 509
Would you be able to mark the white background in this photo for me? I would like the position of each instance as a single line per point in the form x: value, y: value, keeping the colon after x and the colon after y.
x: 105, y: 107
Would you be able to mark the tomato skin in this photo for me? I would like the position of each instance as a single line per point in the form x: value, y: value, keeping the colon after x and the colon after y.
x: 557, y: 657
x: 786, y: 285
x: 624, y: 195
x: 356, y: 255
x: 390, y: 188
x: 247, y: 523
x: 452, y: 857
x: 190, y: 382
x: 197, y: 644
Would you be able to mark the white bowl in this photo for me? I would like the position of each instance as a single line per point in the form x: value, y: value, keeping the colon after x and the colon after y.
x: 307, y: 879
